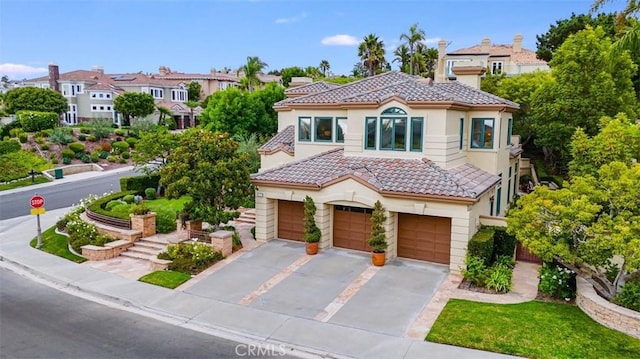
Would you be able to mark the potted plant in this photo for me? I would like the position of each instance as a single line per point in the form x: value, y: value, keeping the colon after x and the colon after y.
x: 311, y: 232
x: 378, y: 240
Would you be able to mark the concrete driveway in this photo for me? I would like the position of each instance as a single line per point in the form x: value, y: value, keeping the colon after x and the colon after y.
x: 335, y: 286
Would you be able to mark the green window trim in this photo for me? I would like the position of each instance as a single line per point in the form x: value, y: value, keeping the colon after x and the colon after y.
x: 394, y: 111
x: 370, y: 138
x: 509, y: 131
x: 482, y: 138
x: 393, y: 143
x: 461, y: 133
x: 321, y: 134
x: 306, y: 138
x: 340, y: 130
x: 416, y: 123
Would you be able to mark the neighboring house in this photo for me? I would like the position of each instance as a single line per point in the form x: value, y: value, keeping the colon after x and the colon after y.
x: 437, y: 155
x: 91, y: 94
x: 508, y: 59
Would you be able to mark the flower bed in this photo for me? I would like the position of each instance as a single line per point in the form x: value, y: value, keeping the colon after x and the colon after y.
x: 191, y: 258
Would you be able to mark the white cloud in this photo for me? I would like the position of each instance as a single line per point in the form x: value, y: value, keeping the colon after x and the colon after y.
x: 19, y: 71
x: 287, y: 20
x: 340, y: 40
x: 431, y: 40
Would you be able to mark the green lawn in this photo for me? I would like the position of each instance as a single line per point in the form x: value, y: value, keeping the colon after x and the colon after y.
x: 56, y: 244
x: 166, y: 278
x: 175, y: 204
x: 23, y: 183
x: 534, y: 329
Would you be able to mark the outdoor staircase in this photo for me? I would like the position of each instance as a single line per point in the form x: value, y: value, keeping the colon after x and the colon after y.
x: 145, y: 248
x: 247, y: 217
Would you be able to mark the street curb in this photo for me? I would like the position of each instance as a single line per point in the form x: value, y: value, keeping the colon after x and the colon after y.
x: 163, y: 316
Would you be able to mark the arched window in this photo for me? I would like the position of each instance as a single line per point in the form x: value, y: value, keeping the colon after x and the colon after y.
x: 394, y: 111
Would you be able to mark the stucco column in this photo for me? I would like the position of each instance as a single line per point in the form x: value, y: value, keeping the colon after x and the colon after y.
x: 323, y: 221
x: 391, y: 234
x: 265, y: 219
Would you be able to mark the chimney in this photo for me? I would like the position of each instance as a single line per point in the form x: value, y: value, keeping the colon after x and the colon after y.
x: 442, y: 48
x: 469, y: 75
x: 98, y: 69
x: 517, y: 43
x: 485, y: 45
x: 54, y: 76
x: 213, y: 71
x: 163, y: 71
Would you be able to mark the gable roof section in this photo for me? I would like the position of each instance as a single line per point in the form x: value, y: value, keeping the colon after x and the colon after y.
x: 313, y: 87
x: 282, y: 141
x: 393, y: 84
x: 524, y: 57
x: 388, y: 176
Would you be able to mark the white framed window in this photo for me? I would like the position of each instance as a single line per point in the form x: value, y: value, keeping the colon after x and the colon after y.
x: 157, y: 93
x: 450, y: 64
x: 71, y: 116
x: 179, y: 95
x: 496, y: 67
x: 101, y: 108
x: 101, y: 95
x: 71, y: 90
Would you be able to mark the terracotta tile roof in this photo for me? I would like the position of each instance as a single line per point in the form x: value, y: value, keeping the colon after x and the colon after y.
x: 379, y: 88
x: 386, y: 175
x: 269, y: 78
x: 185, y: 76
x: 135, y: 79
x: 515, y: 151
x: 283, y: 141
x: 310, y: 88
x: 99, y: 86
x: 525, y: 56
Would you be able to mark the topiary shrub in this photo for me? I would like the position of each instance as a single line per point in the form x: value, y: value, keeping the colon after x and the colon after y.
x: 504, y: 244
x: 114, y: 203
x: 111, y: 159
x: 150, y: 193
x: 91, y: 138
x: 132, y: 141
x: 95, y: 158
x: 82, y: 137
x: 119, y: 132
x: 33, y: 121
x: 128, y: 198
x: 120, y: 147
x: 67, y: 153
x: 481, y: 245
x: 125, y: 155
x: 76, y: 147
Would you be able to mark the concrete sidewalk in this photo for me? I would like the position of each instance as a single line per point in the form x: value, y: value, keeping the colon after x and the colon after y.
x: 250, y: 324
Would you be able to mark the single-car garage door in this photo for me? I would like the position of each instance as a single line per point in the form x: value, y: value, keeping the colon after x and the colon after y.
x: 290, y: 220
x: 424, y: 237
x: 351, y: 227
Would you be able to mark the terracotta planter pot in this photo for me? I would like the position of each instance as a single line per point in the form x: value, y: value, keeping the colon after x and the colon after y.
x: 312, y: 248
x: 378, y: 259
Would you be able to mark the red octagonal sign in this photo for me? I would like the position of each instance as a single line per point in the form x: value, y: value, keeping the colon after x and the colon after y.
x: 37, y: 201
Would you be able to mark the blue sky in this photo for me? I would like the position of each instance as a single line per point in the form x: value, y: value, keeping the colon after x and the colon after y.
x: 197, y: 35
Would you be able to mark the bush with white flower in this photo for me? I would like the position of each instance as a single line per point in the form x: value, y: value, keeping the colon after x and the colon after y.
x: 556, y: 281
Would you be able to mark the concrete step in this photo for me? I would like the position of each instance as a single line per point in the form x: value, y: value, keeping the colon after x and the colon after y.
x: 144, y: 250
x: 245, y: 220
x: 153, y: 240
x: 152, y: 245
x: 136, y: 255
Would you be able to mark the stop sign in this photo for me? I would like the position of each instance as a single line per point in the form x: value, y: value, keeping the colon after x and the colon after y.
x: 37, y: 201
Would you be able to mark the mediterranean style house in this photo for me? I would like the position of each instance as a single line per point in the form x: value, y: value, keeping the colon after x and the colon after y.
x: 508, y: 59
x: 438, y: 156
x: 91, y: 93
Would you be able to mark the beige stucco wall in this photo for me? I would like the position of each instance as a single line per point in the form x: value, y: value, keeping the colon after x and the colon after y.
x: 274, y: 160
x: 464, y: 218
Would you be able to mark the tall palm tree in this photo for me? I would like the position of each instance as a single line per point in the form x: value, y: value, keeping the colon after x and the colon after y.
x: 251, y: 69
x: 427, y: 58
x: 371, y: 52
x: 324, y: 67
x: 414, y: 37
x: 401, y: 54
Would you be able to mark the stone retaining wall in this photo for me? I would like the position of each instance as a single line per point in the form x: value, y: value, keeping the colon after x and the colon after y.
x: 606, y: 313
x: 110, y: 250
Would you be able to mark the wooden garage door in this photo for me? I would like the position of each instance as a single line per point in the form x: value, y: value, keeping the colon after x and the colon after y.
x: 351, y: 227
x: 424, y: 237
x: 290, y: 220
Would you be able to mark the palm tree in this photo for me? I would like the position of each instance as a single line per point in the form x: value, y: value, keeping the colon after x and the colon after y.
x: 371, y: 52
x: 428, y: 58
x: 630, y: 39
x: 324, y: 67
x: 251, y: 69
x: 401, y: 54
x: 164, y: 113
x: 414, y: 37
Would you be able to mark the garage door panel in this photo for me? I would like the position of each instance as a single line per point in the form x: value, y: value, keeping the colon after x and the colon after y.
x: 351, y: 228
x: 424, y: 237
x: 290, y: 220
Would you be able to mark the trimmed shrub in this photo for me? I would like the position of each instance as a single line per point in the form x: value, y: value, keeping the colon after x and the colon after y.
x: 23, y: 137
x: 66, y: 160
x: 629, y: 296
x: 139, y: 183
x: 98, y: 205
x: 190, y: 257
x: 44, y: 147
x: 91, y: 138
x: 122, y: 161
x: 85, y: 130
x: 115, y: 202
x: 119, y: 132
x: 165, y: 220
x: 9, y: 146
x: 39, y: 140
x: 112, y: 159
x: 128, y: 198
x: 504, y: 244
x: 67, y: 153
x: 103, y: 155
x: 33, y: 121
x: 150, y: 193
x: 120, y: 146
x: 76, y: 147
x: 106, y: 146
x: 85, y: 159
x: 95, y: 158
x: 481, y: 245
x: 125, y: 155
x: 54, y: 161
x: 132, y: 141
x: 82, y: 137
x: 78, y: 155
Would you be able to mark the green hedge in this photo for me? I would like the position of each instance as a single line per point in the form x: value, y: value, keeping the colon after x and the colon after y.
x: 76, y: 147
x: 481, y: 244
x: 33, y: 121
x: 9, y: 146
x: 139, y: 183
x: 504, y: 244
x: 98, y: 205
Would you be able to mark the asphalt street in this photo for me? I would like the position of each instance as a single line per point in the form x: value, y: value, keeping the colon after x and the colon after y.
x: 37, y: 321
x: 61, y: 195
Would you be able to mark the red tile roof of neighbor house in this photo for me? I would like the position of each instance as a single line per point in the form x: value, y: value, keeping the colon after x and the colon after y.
x: 185, y: 76
x: 385, y: 175
x: 524, y: 57
x: 135, y: 79
x: 310, y: 88
x: 377, y: 89
x: 282, y: 141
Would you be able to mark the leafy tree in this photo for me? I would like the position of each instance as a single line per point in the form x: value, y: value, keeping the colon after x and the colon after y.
x: 588, y: 84
x: 194, y: 91
x: 288, y: 72
x: 618, y: 140
x: 154, y: 148
x: 371, y: 51
x: 100, y: 127
x: 313, y: 72
x: 324, y: 67
x: 251, y: 69
x: 207, y: 167
x: 249, y: 144
x: 134, y: 104
x: 402, y: 56
x: 413, y: 38
x: 34, y: 99
x: 586, y: 223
